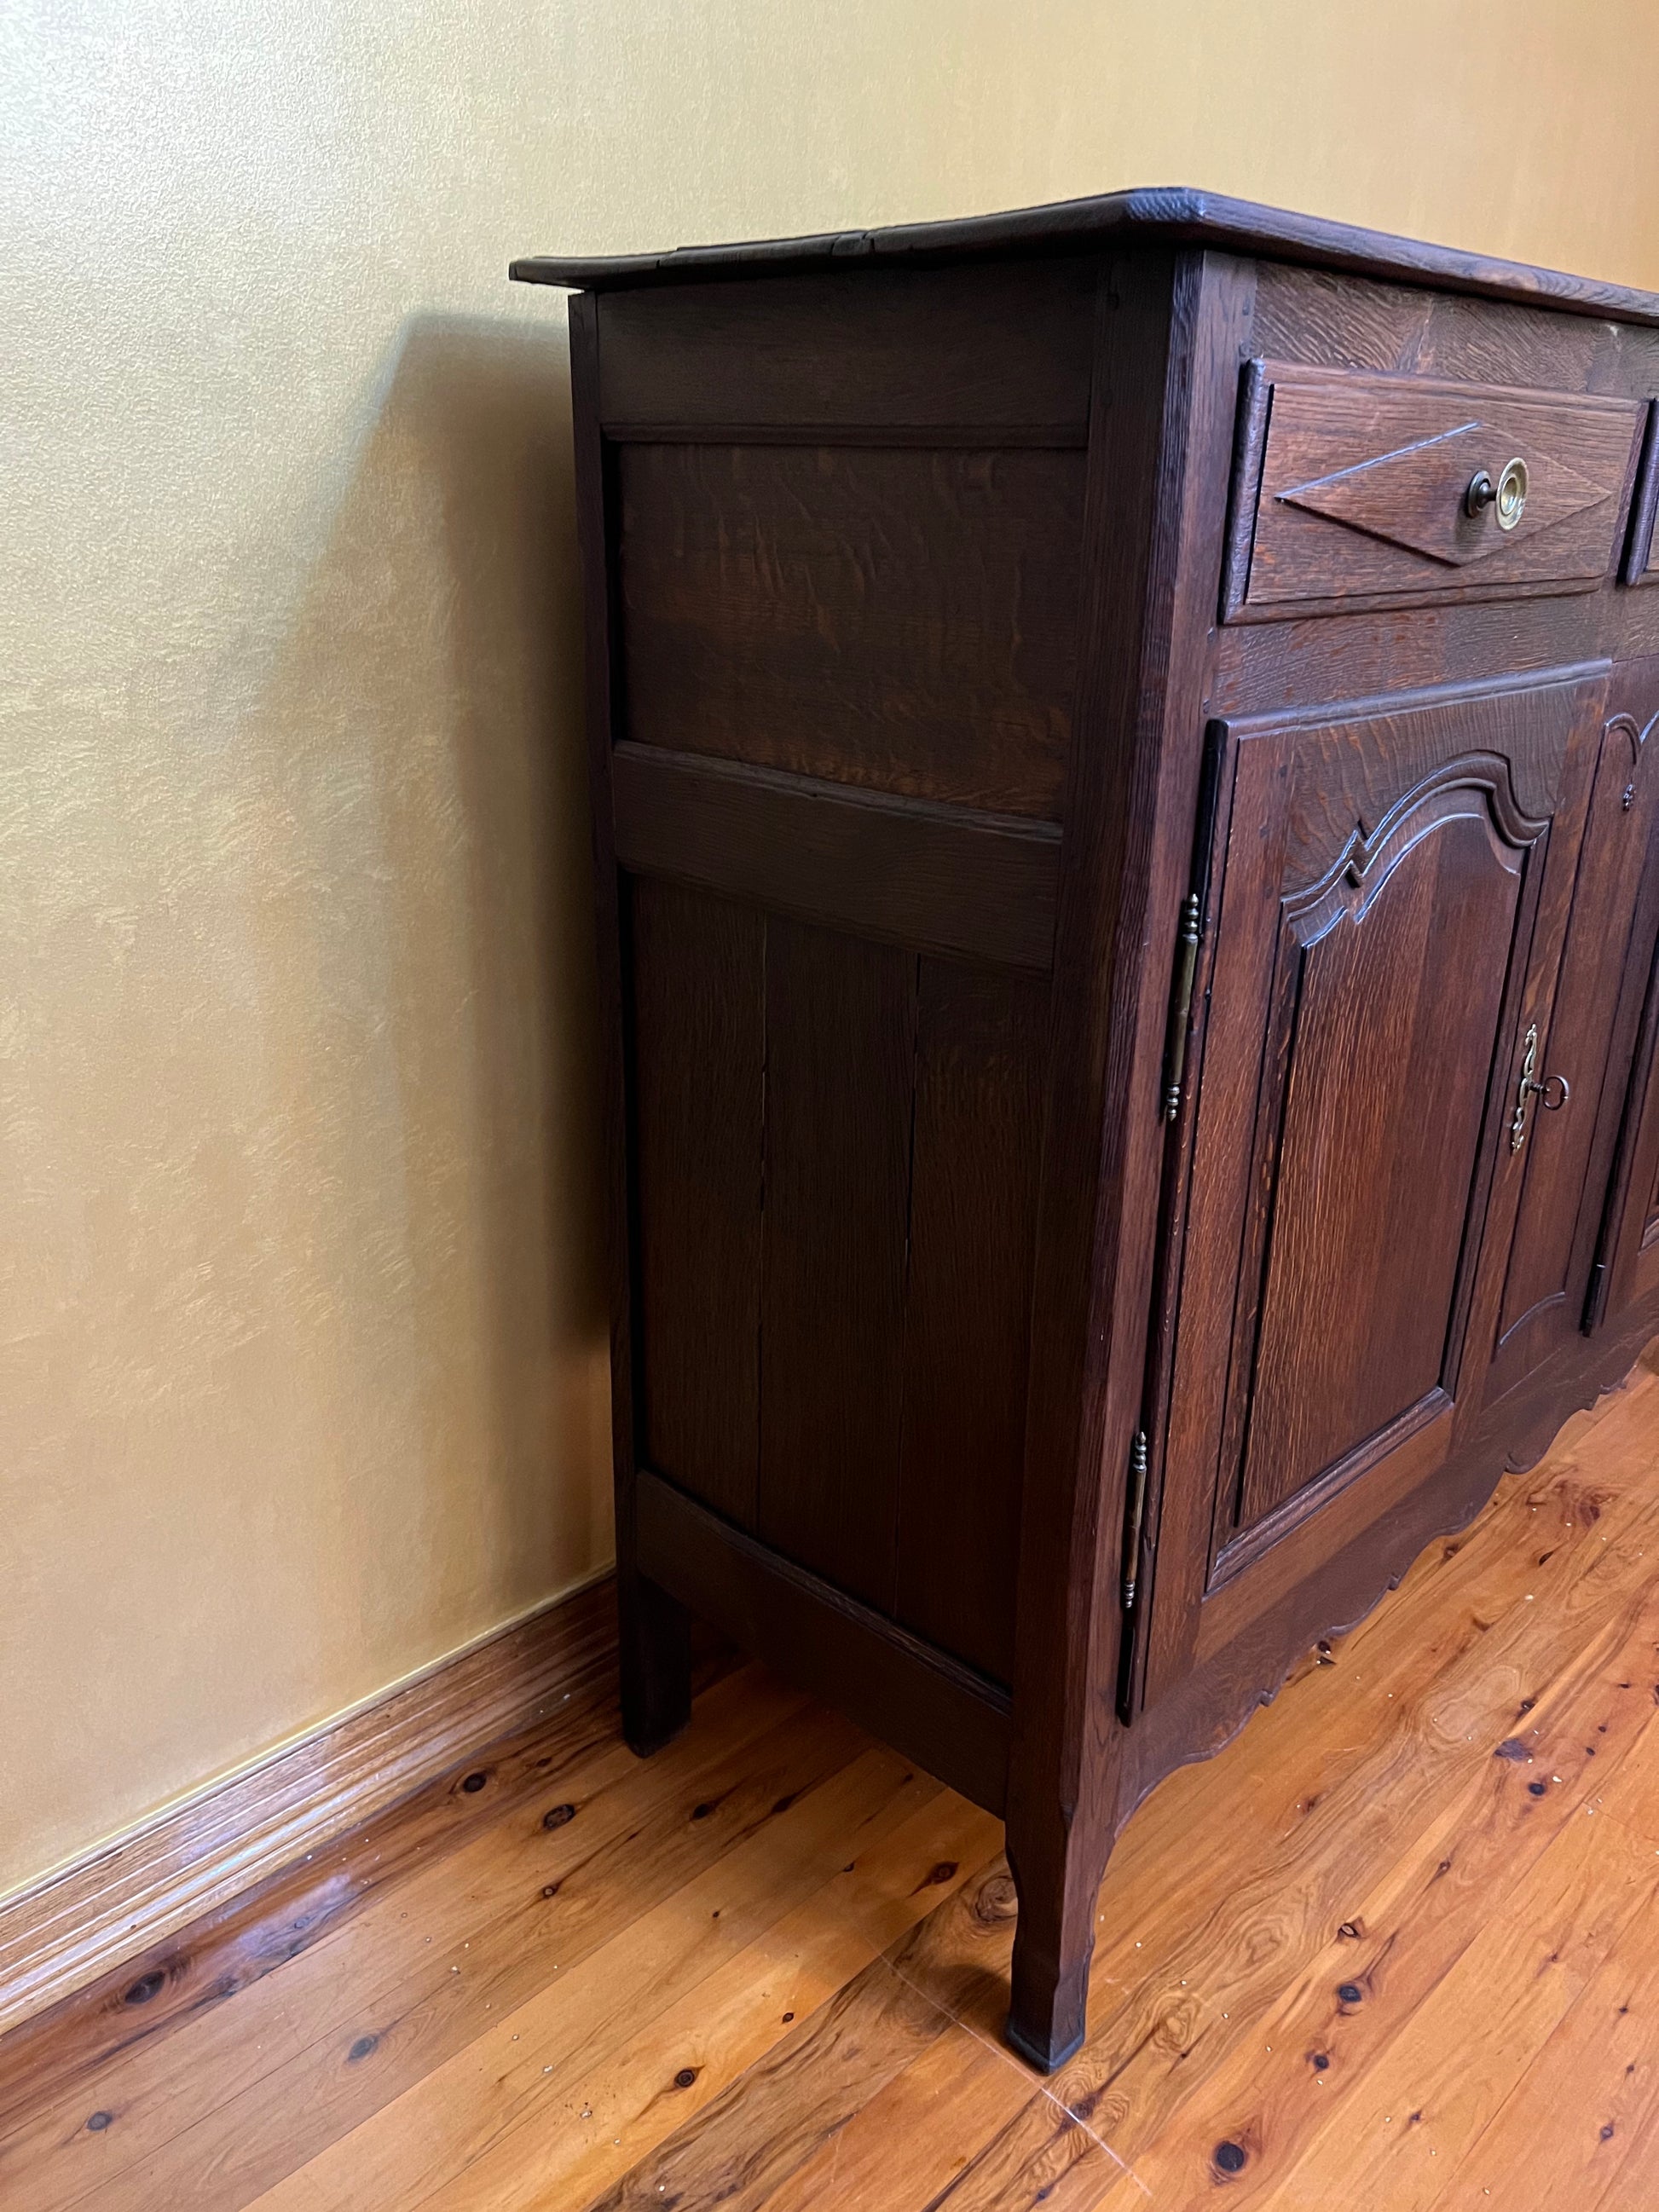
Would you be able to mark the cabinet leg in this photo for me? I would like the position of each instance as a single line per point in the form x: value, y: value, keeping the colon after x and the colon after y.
x: 654, y: 1655
x: 1053, y: 1944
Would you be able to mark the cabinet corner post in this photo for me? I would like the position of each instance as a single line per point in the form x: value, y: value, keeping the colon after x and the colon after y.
x: 1168, y: 331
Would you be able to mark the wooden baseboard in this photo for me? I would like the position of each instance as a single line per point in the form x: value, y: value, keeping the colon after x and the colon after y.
x: 84, y: 1919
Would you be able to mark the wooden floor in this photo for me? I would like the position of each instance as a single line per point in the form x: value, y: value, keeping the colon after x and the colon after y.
x: 1397, y: 1947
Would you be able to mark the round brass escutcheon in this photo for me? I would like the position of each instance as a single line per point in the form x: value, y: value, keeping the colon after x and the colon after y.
x: 1507, y: 497
x: 1511, y: 501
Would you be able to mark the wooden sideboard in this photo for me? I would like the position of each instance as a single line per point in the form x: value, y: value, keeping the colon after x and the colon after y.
x: 1127, y: 888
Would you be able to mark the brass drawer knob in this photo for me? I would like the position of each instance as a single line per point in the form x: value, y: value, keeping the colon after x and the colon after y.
x: 1507, y: 498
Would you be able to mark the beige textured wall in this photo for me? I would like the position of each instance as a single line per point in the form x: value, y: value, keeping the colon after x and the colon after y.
x: 302, y: 1352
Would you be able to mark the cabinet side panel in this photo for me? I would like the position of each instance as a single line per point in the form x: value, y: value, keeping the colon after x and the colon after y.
x: 903, y: 349
x: 901, y: 620
x: 840, y: 1040
x: 697, y: 1009
x: 981, y: 1052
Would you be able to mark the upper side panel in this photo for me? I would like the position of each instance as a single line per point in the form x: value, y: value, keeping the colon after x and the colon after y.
x: 1007, y: 347
x: 902, y: 620
x: 846, y: 523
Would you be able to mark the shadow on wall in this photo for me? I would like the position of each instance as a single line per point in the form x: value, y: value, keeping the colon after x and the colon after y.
x: 423, y: 934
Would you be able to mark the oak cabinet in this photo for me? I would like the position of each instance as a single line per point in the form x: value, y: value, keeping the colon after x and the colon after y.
x: 1127, y: 888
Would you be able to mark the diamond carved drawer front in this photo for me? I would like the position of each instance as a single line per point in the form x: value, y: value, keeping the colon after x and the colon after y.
x: 1351, y: 491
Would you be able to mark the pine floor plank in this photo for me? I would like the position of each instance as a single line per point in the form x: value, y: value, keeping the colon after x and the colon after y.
x: 1271, y: 2088
x: 233, y: 2099
x: 1418, y: 2110
x: 813, y: 2083
x: 1597, y: 2077
x: 800, y: 1816
x: 174, y: 1980
x: 574, y: 2089
x: 916, y: 2136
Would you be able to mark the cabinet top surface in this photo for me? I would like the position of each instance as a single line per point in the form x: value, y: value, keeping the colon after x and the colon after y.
x: 1167, y: 214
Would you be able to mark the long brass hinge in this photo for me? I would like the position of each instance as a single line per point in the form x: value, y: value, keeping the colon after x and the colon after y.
x: 1190, y: 928
x: 1135, y: 1519
x: 1181, y: 1003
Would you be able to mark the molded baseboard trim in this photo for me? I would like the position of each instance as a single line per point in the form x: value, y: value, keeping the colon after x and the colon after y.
x: 134, y: 1890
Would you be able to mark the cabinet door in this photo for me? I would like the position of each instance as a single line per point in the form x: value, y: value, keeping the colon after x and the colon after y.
x: 1389, y: 889
x: 1627, y: 1259
x: 1587, y: 1043
x: 1630, y: 1268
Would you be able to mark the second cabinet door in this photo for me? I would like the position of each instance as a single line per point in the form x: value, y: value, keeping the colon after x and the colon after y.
x: 1587, y: 1044
x: 1388, y: 895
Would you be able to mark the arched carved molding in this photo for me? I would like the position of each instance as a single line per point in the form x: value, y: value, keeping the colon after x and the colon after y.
x: 1369, y: 858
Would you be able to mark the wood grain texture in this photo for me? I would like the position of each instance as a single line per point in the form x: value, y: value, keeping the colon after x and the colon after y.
x: 1166, y: 379
x: 1401, y: 972
x: 1627, y: 1264
x: 904, y: 621
x: 1072, y: 1464
x: 841, y: 1027
x: 1423, y: 817
x: 773, y: 1960
x: 1353, y: 489
x: 1256, y: 1628
x: 128, y: 1898
x: 952, y: 1720
x: 155, y: 2010
x: 1306, y: 662
x: 697, y: 1035
x: 982, y: 1048
x: 1324, y: 316
x: 1639, y: 565
x: 1631, y: 1245
x: 928, y: 355
x: 1587, y: 1043
x: 655, y: 1644
x: 936, y: 878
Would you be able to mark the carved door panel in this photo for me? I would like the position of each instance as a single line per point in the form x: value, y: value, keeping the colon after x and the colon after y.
x: 1585, y: 1050
x: 1387, y: 892
x: 1631, y: 1237
x: 1633, y: 1243
x: 1627, y: 1257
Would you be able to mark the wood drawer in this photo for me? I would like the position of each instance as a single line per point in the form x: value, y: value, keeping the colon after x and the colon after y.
x: 1350, y: 491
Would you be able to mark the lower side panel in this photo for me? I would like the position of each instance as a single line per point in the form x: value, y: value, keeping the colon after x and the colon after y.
x: 834, y: 1151
x: 951, y: 1722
